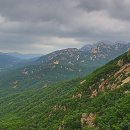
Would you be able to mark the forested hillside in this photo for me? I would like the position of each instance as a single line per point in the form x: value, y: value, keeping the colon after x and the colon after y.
x: 99, y: 101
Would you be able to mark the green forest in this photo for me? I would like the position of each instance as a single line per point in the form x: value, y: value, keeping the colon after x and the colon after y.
x: 99, y: 101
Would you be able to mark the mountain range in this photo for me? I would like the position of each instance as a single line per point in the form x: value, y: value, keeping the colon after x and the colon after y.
x: 23, y: 56
x: 61, y: 65
x: 10, y: 61
x: 98, y: 101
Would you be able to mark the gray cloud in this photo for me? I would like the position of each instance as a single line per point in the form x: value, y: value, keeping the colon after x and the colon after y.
x: 115, y: 8
x: 42, y: 26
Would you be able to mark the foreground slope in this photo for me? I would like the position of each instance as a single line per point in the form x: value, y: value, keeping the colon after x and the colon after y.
x: 99, y: 101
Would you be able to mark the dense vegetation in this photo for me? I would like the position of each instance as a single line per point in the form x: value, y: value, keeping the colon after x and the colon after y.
x: 60, y: 106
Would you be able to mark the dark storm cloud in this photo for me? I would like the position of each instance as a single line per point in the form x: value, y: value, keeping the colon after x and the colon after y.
x: 46, y: 25
x: 116, y: 8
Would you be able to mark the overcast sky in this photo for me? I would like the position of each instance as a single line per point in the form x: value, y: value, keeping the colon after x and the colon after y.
x: 42, y: 26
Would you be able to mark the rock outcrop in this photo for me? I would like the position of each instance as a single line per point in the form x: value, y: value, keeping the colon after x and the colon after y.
x: 77, y: 95
x: 120, y: 62
x: 82, y: 82
x: 94, y: 93
x: 87, y: 120
x: 55, y: 62
x: 59, y: 107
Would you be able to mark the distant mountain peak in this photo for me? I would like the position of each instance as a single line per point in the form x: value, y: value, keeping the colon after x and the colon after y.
x: 66, y: 50
x: 105, y: 49
x: 87, y: 47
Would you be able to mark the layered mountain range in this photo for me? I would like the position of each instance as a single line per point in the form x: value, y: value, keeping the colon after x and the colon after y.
x: 10, y: 61
x: 63, y: 65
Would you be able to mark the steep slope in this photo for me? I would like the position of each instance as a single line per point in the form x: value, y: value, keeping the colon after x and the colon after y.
x: 99, y: 101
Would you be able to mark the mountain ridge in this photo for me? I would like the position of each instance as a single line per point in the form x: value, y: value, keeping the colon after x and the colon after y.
x: 60, y: 65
